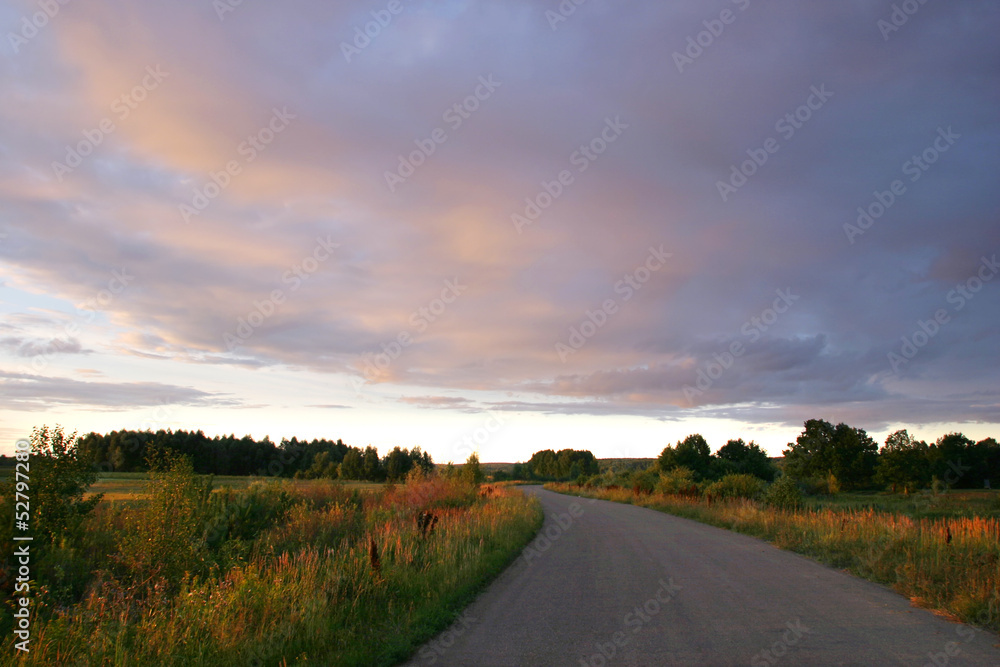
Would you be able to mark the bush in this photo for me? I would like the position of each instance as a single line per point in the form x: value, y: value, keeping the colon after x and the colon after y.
x: 784, y: 494
x: 737, y: 486
x: 244, y: 514
x: 163, y: 537
x: 645, y: 481
x: 60, y: 474
x: 678, y: 480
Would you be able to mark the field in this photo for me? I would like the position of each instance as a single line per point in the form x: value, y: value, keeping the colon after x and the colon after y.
x: 935, y: 550
x: 922, y: 505
x: 131, y: 485
x: 266, y: 573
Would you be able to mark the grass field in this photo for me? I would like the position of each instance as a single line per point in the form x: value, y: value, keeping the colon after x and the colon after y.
x: 283, y: 572
x: 941, y: 556
x: 131, y: 485
x: 922, y: 505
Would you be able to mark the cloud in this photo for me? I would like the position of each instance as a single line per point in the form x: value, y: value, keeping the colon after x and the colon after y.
x: 438, y: 402
x: 21, y: 391
x: 22, y: 347
x: 256, y: 262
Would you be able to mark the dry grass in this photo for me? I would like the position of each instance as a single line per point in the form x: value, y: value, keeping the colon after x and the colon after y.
x: 307, y: 591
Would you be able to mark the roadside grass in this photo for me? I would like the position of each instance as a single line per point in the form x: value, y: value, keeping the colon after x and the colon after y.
x: 950, y: 564
x: 921, y: 505
x: 305, y: 572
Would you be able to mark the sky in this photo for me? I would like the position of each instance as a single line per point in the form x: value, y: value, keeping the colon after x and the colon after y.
x: 500, y: 226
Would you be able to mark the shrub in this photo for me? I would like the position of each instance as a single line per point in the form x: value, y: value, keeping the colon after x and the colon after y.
x: 163, y: 537
x: 783, y: 494
x: 737, y: 486
x: 677, y: 481
x: 244, y: 514
x: 645, y: 481
x: 60, y: 474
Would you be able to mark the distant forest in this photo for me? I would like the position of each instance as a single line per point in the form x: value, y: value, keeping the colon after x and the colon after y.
x: 127, y: 451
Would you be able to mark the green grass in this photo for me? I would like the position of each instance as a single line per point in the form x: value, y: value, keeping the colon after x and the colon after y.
x: 943, y: 558
x: 924, y: 504
x: 302, y: 590
x: 118, y: 486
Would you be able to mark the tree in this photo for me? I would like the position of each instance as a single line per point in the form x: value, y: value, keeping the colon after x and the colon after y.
x: 739, y: 458
x: 903, y: 463
x: 371, y: 466
x: 548, y: 464
x: 693, y: 453
x: 397, y: 464
x: 351, y: 466
x: 986, y: 463
x: 667, y: 460
x: 951, y: 460
x: 843, y: 455
x: 60, y: 474
x: 472, y: 472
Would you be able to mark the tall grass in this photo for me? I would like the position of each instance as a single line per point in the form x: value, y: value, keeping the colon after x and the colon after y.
x: 298, y: 587
x: 947, y: 564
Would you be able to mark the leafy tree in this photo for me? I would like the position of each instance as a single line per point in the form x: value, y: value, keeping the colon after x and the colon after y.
x: 740, y: 458
x: 352, y: 465
x: 397, y: 463
x: 843, y: 454
x: 986, y: 463
x: 60, y: 474
x: 692, y: 453
x: 903, y: 463
x: 472, y: 471
x: 371, y: 465
x: 548, y: 464
x: 951, y: 460
x: 667, y: 460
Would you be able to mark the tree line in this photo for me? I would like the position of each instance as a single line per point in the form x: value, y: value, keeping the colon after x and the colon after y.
x: 827, y: 458
x: 128, y: 451
x: 548, y: 465
x: 843, y: 457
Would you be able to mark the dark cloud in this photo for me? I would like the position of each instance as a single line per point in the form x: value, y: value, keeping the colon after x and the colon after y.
x: 258, y: 265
